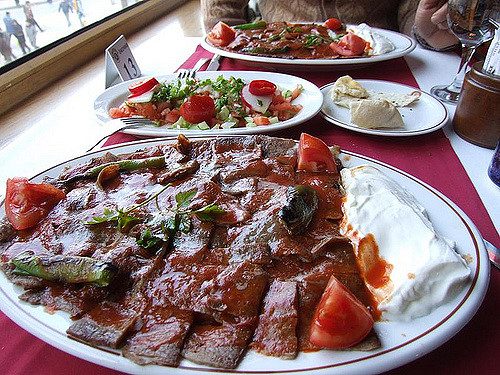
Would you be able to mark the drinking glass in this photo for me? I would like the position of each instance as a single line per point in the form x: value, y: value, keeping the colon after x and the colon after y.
x: 469, y: 21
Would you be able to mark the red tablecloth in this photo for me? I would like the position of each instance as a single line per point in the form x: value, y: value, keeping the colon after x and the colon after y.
x: 430, y: 157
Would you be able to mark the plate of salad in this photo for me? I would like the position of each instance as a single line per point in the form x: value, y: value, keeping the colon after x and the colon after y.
x: 229, y: 102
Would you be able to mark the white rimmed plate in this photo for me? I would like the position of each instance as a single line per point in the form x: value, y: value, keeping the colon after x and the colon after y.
x: 401, y: 342
x: 403, y: 45
x: 311, y: 100
x: 423, y: 116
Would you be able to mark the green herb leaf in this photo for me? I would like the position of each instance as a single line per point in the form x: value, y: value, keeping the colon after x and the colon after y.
x: 125, y: 221
x: 170, y: 223
x: 121, y: 217
x: 183, y: 199
x: 149, y: 241
x: 107, y: 216
x: 312, y: 40
x: 209, y: 213
x: 184, y: 223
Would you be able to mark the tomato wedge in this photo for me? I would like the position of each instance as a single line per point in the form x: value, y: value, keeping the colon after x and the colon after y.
x: 198, y: 108
x: 221, y: 34
x: 340, y: 320
x: 27, y: 203
x: 142, y: 87
x: 261, y: 87
x: 350, y: 45
x: 314, y: 155
x: 333, y: 23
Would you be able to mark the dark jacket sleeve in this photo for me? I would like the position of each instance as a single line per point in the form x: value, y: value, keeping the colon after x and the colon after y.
x: 231, y: 12
x: 406, y: 15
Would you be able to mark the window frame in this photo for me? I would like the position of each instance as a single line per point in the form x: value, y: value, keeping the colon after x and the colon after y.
x: 54, y: 61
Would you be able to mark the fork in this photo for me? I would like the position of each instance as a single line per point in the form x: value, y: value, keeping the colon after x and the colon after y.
x: 136, y: 120
x: 190, y: 73
x: 120, y: 124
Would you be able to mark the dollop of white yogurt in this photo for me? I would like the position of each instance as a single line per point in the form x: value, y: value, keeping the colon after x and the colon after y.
x: 423, y: 269
x: 379, y: 43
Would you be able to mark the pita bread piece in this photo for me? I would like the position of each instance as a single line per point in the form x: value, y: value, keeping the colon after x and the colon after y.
x: 346, y: 90
x: 399, y: 100
x: 377, y: 113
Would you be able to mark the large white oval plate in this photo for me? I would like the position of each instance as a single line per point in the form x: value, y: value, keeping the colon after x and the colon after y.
x: 423, y: 116
x: 311, y: 100
x: 403, y: 45
x: 401, y: 342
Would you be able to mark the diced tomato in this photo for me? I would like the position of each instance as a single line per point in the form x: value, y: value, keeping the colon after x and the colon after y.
x: 340, y: 320
x: 277, y: 99
x: 261, y: 120
x: 214, y: 121
x: 27, y: 203
x: 172, y: 116
x: 350, y: 45
x: 296, y: 93
x: 221, y: 35
x: 119, y: 112
x: 261, y: 87
x: 147, y: 110
x: 163, y: 106
x: 333, y: 23
x: 142, y: 87
x: 288, y: 114
x: 314, y: 155
x: 285, y: 110
x: 284, y: 106
x: 198, y: 108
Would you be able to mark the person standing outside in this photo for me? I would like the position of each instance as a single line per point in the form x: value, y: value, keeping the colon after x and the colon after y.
x: 77, y: 6
x: 19, y: 34
x: 28, y: 12
x: 5, y: 49
x: 31, y: 32
x: 66, y: 7
x: 9, y: 26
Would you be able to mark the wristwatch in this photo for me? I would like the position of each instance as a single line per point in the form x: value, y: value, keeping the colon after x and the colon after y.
x: 420, y: 40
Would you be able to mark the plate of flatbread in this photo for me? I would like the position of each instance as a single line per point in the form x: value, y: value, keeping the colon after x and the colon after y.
x: 381, y: 107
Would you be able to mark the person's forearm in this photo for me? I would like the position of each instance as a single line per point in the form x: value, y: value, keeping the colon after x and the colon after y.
x: 431, y: 28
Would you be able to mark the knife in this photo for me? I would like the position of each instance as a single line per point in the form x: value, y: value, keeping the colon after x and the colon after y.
x: 493, y: 253
x: 199, y: 64
x: 214, y: 63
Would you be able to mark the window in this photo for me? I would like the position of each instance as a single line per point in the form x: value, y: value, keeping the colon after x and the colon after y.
x: 65, y: 42
x: 31, y: 25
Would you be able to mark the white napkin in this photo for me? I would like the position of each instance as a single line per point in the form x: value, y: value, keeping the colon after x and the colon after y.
x: 491, y: 64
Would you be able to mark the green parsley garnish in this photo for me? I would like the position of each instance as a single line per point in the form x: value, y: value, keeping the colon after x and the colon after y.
x: 164, y: 224
x: 122, y: 216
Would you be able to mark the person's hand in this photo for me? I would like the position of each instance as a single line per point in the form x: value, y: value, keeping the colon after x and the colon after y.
x: 431, y: 25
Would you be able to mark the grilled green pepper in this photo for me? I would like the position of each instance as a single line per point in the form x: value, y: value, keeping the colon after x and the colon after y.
x: 251, y: 26
x: 124, y: 165
x: 65, y: 268
x: 264, y: 51
x: 298, y: 211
